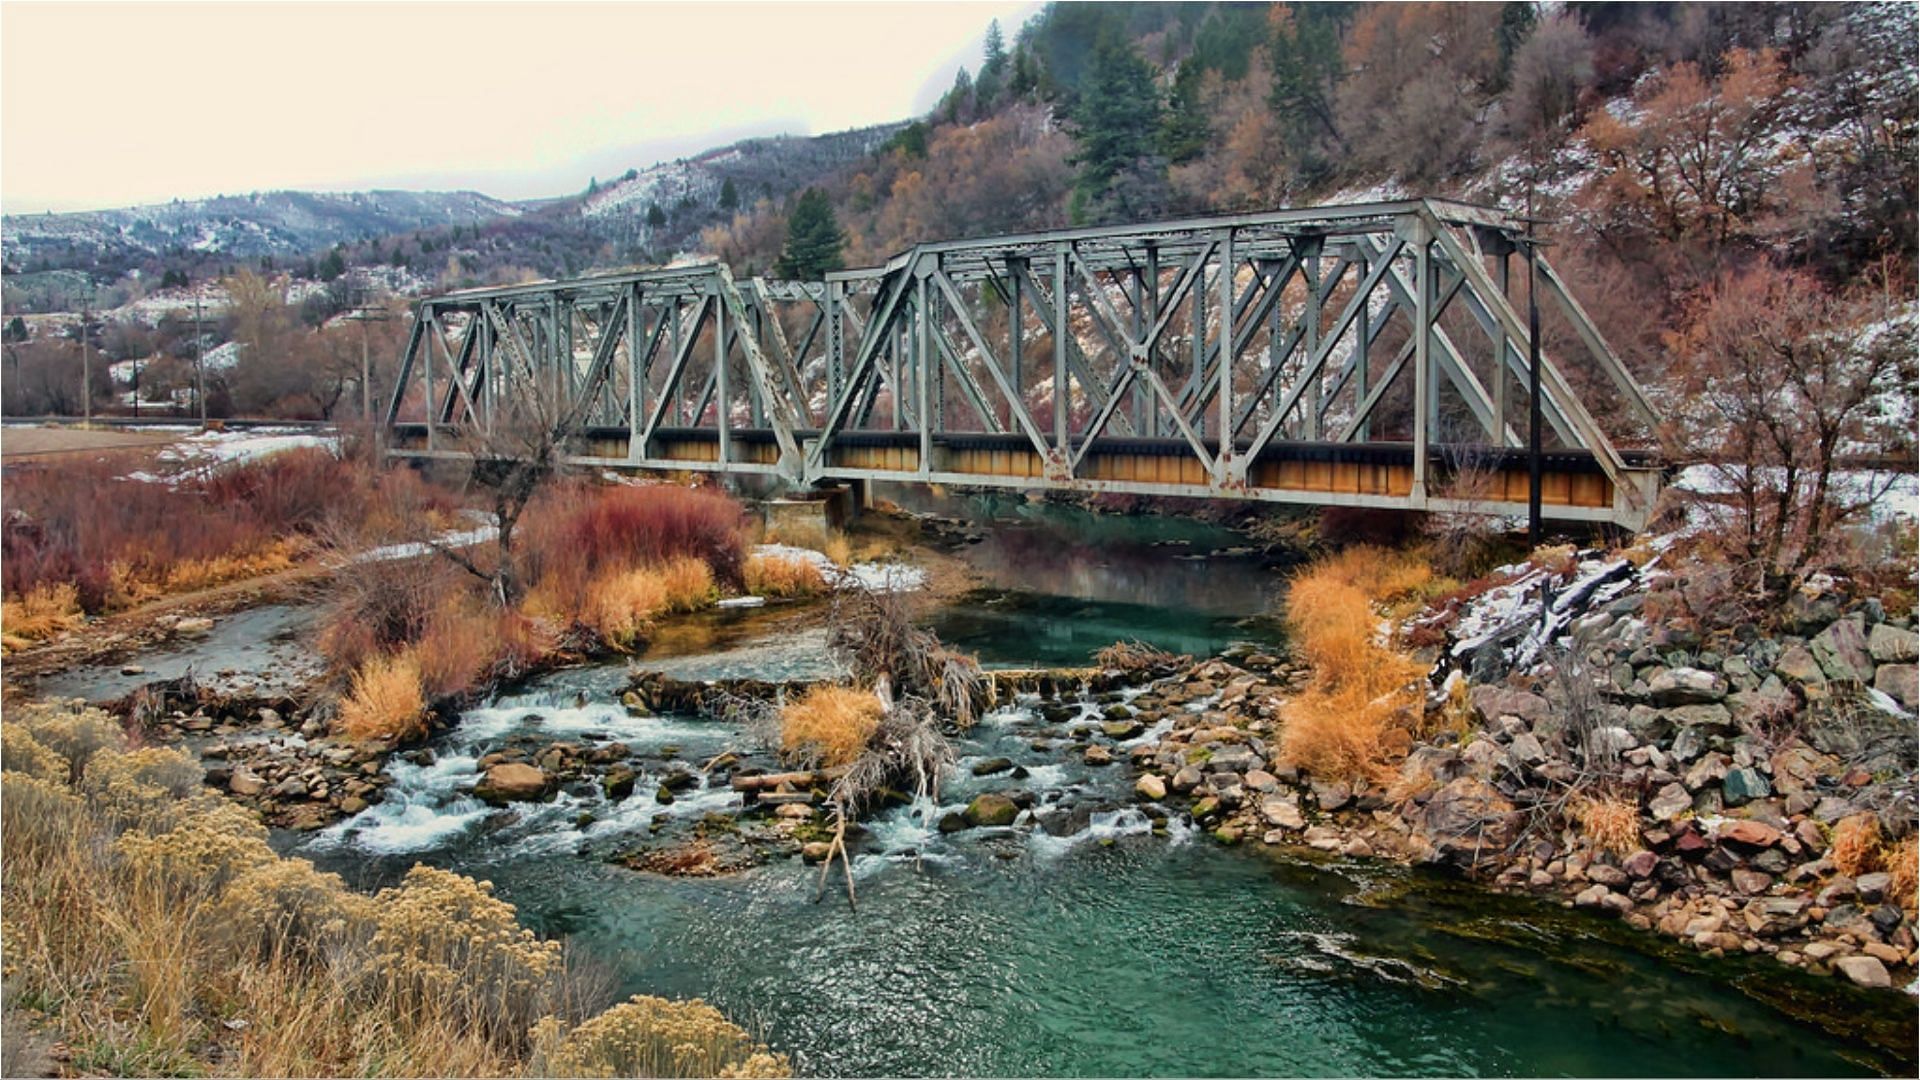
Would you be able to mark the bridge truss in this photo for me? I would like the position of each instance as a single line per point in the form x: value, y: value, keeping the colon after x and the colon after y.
x: 1364, y: 355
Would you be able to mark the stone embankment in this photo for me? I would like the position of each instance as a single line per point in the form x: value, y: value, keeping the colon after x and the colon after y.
x: 1738, y: 758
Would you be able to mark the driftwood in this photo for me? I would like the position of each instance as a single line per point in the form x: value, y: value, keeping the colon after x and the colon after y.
x: 802, y: 780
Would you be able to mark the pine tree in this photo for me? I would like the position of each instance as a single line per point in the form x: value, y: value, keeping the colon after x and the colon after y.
x: 814, y: 238
x: 1516, y: 25
x: 593, y: 185
x: 994, y: 56
x: 656, y: 217
x: 1307, y: 68
x: 729, y: 198
x: 1116, y: 123
x: 958, y: 104
x: 1185, y: 130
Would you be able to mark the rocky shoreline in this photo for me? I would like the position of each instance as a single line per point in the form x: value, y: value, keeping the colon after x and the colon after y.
x: 1732, y: 762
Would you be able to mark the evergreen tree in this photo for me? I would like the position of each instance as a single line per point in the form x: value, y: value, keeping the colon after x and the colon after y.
x: 1307, y: 68
x: 1026, y: 76
x: 1185, y: 129
x: 994, y: 56
x: 1517, y: 20
x: 910, y: 140
x: 1116, y: 124
x: 17, y: 329
x: 729, y: 198
x: 593, y: 185
x: 814, y: 238
x: 958, y: 104
x: 333, y: 265
x: 656, y: 217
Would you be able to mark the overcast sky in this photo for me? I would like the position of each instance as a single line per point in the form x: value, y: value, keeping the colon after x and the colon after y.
x: 105, y: 105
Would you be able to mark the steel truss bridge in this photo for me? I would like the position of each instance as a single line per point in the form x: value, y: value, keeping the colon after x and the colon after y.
x: 1367, y: 355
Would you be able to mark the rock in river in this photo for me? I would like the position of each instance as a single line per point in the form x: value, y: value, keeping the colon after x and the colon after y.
x: 512, y: 782
x: 991, y: 809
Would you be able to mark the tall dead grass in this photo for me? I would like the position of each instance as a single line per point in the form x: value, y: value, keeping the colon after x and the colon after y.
x: 1359, y: 690
x: 386, y: 701
x: 151, y: 921
x: 829, y: 725
x: 783, y: 577
x: 43, y: 611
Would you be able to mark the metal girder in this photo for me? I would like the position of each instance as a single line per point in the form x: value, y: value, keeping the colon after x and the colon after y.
x: 1170, y: 337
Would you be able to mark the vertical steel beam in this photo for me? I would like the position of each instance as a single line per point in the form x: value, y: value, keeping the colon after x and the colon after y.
x: 433, y: 413
x: 1016, y: 339
x: 1310, y: 273
x: 924, y: 370
x: 1061, y: 330
x: 1503, y: 271
x: 723, y: 411
x: 636, y: 370
x: 1224, y: 470
x: 1422, y: 357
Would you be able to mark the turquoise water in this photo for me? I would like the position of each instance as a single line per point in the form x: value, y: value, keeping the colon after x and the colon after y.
x: 1078, y: 942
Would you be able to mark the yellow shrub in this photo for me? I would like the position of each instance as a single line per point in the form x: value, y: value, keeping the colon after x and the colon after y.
x: 782, y: 576
x: 75, y: 736
x: 386, y: 701
x: 152, y: 784
x: 623, y: 604
x: 1857, y: 845
x: 196, y: 574
x: 38, y: 614
x: 829, y: 724
x: 22, y: 753
x: 1611, y: 823
x: 687, y: 583
x: 650, y: 1036
x: 1359, y: 692
x: 201, y: 852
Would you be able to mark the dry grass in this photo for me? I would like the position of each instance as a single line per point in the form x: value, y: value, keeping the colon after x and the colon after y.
x: 621, y: 605
x: 144, y: 913
x: 1858, y: 846
x: 1902, y: 863
x: 1611, y: 823
x: 829, y: 725
x: 783, y: 577
x: 38, y: 614
x: 386, y: 701
x: 1359, y: 691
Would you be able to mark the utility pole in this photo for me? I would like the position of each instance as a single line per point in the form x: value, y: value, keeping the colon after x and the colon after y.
x: 199, y: 360
x: 86, y: 367
x: 365, y: 313
x: 1533, y: 388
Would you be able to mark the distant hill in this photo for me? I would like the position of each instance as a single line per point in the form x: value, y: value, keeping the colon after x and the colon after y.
x: 276, y: 224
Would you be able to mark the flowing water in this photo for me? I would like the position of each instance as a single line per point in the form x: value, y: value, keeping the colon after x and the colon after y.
x: 1077, y: 941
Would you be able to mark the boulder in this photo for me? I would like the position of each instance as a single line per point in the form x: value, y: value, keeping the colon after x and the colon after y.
x: 1467, y: 816
x: 990, y: 809
x: 1640, y: 865
x: 1150, y: 787
x: 245, y: 783
x: 1186, y: 779
x: 1891, y: 645
x: 1710, y: 769
x: 992, y: 766
x: 1283, y: 813
x: 1685, y: 686
x: 1748, y: 834
x: 1872, y: 888
x: 1864, y: 971
x: 1669, y: 803
x: 1771, y: 916
x: 1751, y: 882
x: 1899, y: 681
x: 618, y: 782
x: 1206, y: 808
x: 1493, y: 702
x: 815, y: 850
x: 1526, y: 749
x: 1841, y: 650
x: 1122, y: 729
x: 1611, y: 876
x: 1097, y: 755
x: 1796, y: 664
x: 1332, y: 796
x: 512, y: 782
x: 1742, y: 786
x: 1262, y: 781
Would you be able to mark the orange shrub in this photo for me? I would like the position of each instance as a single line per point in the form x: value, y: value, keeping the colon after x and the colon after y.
x: 1359, y: 692
x: 1611, y: 823
x: 45, y: 610
x: 386, y: 701
x: 1903, y: 864
x: 783, y: 576
x: 1857, y: 845
x: 829, y: 724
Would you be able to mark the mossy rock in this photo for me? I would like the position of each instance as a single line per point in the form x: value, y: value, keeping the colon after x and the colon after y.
x: 990, y: 810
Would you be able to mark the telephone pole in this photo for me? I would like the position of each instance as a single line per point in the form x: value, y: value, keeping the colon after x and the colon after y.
x: 86, y: 367
x: 199, y: 360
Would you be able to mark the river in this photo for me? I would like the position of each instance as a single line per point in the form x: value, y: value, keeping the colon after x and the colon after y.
x: 1078, y: 941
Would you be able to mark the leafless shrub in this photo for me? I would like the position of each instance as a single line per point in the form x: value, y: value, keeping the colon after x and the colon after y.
x: 1464, y: 541
x: 1136, y: 656
x: 875, y: 638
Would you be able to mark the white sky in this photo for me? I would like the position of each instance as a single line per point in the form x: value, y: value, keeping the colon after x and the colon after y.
x: 116, y: 104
